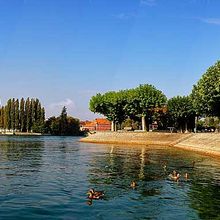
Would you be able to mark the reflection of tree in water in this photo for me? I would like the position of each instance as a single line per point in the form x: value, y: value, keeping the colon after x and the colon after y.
x: 25, y: 155
x: 114, y: 171
x: 205, y: 197
x: 120, y: 166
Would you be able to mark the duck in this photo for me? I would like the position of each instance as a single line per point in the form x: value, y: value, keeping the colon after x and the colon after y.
x: 133, y: 184
x: 174, y: 176
x: 165, y: 167
x: 92, y: 194
x: 186, y: 176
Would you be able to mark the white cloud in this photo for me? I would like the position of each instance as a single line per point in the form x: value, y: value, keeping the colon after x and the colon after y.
x: 124, y: 16
x: 56, y: 107
x: 67, y: 102
x: 148, y: 2
x: 215, y: 21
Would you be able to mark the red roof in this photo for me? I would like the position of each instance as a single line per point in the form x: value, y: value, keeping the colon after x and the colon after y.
x: 97, y: 121
x: 102, y: 121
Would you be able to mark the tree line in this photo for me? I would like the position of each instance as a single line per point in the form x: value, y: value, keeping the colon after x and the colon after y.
x: 22, y: 115
x: 29, y: 116
x: 145, y: 104
x: 63, y: 125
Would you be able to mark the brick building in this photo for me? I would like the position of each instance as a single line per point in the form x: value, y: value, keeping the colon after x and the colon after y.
x: 99, y: 124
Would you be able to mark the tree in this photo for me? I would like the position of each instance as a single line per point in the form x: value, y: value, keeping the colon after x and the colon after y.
x: 142, y: 101
x: 28, y: 114
x: 17, y: 120
x: 181, y: 112
x: 110, y: 104
x: 33, y: 111
x: 5, y: 117
x: 63, y: 121
x: 23, y: 117
x: 62, y: 125
x: 12, y: 114
x: 42, y: 115
x: 73, y: 127
x: 38, y: 110
x: 2, y: 112
x: 206, y: 93
x: 8, y: 114
x: 138, y: 102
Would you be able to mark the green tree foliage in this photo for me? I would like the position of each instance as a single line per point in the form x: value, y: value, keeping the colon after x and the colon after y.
x: 26, y: 117
x: 181, y: 112
x: 145, y: 99
x: 2, y: 113
x: 8, y: 115
x: 110, y: 104
x: 206, y: 93
x: 138, y: 102
x: 63, y: 125
x: 28, y: 114
x: 17, y: 119
x: 22, y: 115
x: 12, y: 114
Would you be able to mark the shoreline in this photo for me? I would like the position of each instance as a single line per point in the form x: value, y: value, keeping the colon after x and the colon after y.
x: 203, y: 143
x: 20, y: 134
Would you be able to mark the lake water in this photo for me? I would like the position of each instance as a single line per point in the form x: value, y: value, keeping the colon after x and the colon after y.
x: 48, y: 178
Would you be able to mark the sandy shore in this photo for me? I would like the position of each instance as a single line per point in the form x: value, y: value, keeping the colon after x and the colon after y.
x: 205, y: 143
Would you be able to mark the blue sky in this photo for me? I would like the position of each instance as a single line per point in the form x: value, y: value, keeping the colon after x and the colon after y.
x: 65, y: 51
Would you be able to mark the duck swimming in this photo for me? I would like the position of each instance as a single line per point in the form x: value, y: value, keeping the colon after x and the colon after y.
x: 165, y: 167
x: 92, y: 194
x: 174, y: 176
x: 186, y: 176
x: 133, y: 184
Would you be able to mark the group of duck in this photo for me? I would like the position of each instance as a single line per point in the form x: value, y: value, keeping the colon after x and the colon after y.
x: 174, y: 176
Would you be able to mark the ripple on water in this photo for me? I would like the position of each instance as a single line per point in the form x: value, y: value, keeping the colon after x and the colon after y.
x: 48, y: 177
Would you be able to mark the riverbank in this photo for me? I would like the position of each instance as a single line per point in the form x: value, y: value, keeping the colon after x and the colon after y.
x: 205, y: 143
x: 20, y: 133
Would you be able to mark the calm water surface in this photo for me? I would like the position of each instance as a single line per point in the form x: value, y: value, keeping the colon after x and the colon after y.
x: 48, y: 177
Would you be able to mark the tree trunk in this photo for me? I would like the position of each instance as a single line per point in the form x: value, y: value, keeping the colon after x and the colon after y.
x: 186, y: 129
x: 196, y: 123
x: 113, y: 126
x: 143, y: 123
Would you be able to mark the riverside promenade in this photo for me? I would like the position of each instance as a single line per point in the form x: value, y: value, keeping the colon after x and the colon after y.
x: 205, y: 143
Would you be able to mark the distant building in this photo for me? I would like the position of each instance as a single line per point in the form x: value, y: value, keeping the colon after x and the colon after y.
x: 99, y: 124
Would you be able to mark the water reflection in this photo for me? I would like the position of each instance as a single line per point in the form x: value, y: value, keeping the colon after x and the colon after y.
x: 205, y: 193
x: 20, y: 158
x: 115, y: 170
x: 49, y: 177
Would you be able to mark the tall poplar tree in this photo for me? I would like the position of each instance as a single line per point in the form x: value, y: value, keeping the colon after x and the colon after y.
x: 28, y: 114
x: 8, y: 115
x: 25, y: 117
x: 17, y: 121
x: 5, y: 117
x: 22, y: 115
x: 42, y: 116
x: 33, y: 115
x: 2, y: 117
x: 12, y: 114
x: 63, y: 121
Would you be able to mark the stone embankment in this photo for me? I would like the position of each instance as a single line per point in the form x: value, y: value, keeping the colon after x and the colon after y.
x: 206, y: 143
